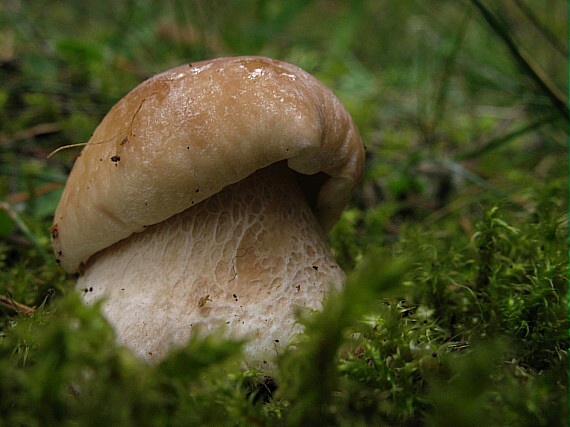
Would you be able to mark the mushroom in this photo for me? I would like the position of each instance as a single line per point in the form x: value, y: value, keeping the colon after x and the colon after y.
x: 202, y: 201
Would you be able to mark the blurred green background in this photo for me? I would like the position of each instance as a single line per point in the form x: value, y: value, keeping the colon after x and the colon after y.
x: 463, y: 107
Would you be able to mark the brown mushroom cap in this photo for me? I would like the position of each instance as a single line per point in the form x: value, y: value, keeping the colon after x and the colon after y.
x: 185, y: 134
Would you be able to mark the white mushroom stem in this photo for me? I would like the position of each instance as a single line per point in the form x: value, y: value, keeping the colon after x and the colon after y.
x: 245, y: 259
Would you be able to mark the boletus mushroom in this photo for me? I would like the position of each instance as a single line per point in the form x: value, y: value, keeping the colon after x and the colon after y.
x: 202, y: 201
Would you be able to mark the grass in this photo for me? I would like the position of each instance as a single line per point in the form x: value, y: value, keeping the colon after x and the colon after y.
x: 455, y: 312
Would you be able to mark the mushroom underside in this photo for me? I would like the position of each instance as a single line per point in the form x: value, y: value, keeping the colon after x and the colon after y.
x: 243, y: 260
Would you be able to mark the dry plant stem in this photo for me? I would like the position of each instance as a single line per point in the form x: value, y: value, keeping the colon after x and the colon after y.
x: 245, y: 259
x: 16, y: 306
x: 31, y: 132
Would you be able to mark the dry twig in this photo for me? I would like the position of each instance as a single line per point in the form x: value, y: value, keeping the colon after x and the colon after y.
x: 15, y: 305
x: 40, y: 129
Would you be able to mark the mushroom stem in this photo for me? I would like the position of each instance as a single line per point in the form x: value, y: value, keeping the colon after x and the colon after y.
x: 244, y: 259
